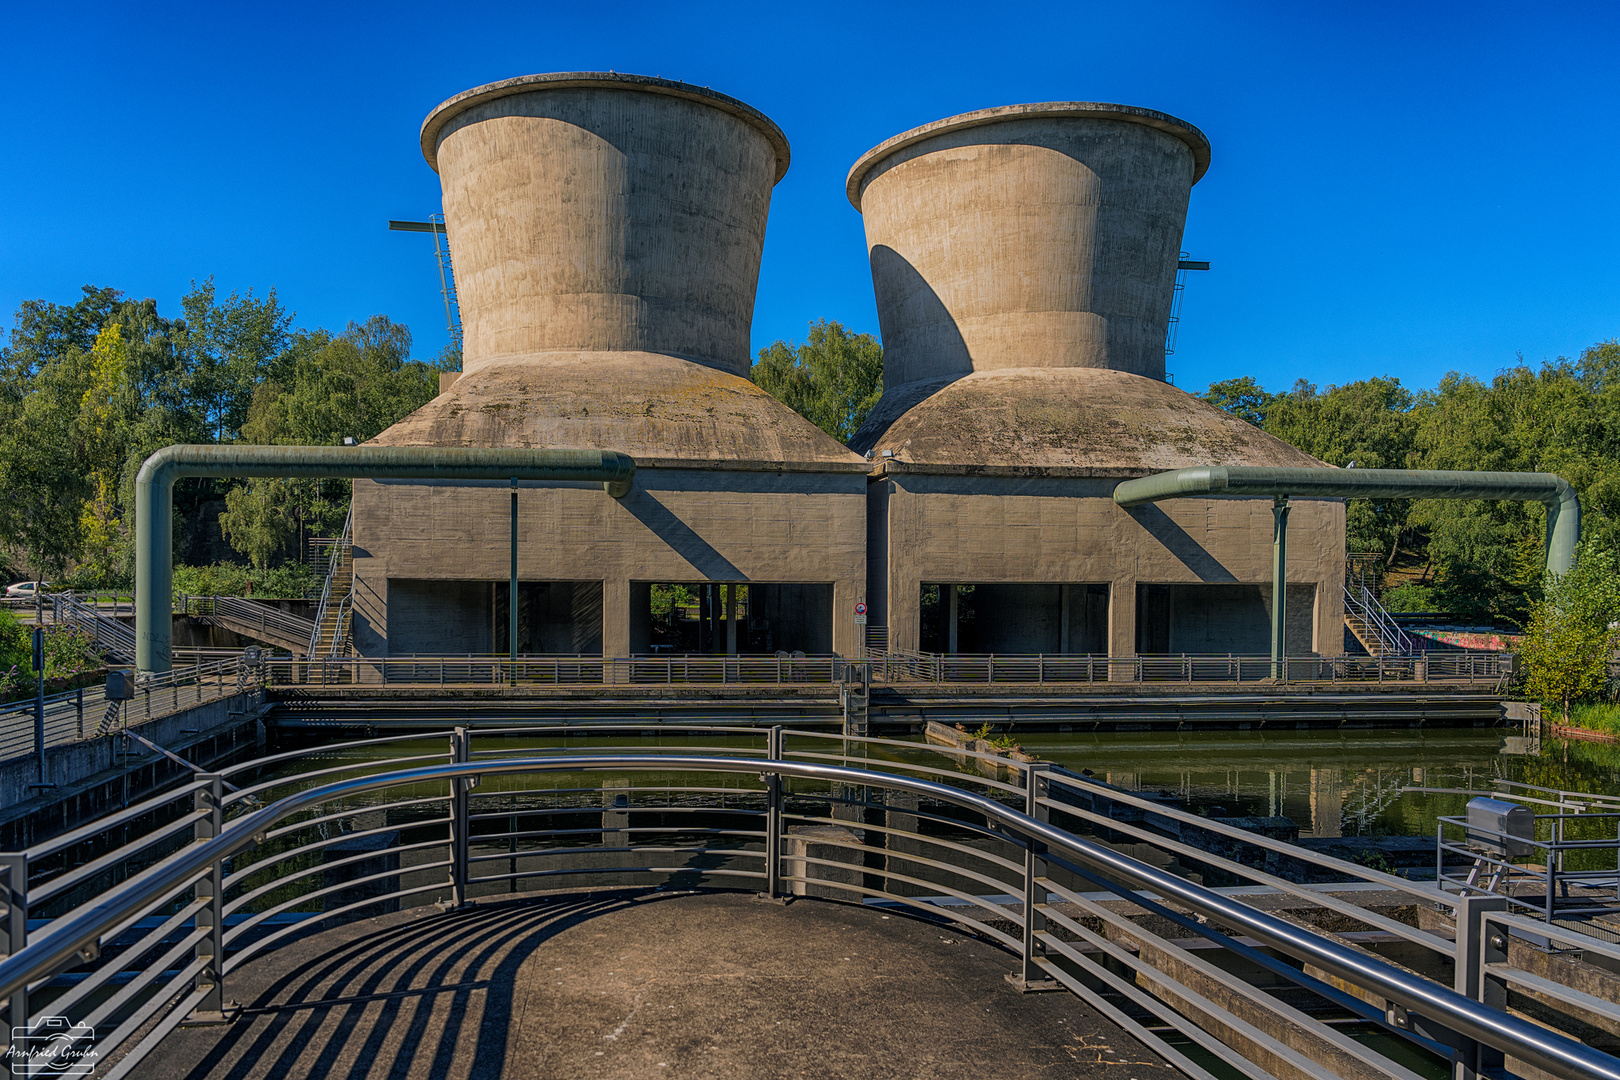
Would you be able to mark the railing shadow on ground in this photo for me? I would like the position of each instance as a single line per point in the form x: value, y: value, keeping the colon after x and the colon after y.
x: 219, y: 879
x: 319, y: 997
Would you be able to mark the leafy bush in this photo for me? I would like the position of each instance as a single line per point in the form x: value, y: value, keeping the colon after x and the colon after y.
x: 287, y: 581
x: 1411, y: 597
x: 16, y: 643
x: 71, y: 659
x: 1573, y: 631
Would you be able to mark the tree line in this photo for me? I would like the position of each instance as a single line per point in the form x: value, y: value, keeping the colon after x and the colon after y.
x: 1483, y: 560
x: 89, y: 390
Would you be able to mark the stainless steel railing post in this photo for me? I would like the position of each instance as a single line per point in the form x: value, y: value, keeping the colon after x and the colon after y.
x: 15, y: 865
x: 211, y: 887
x: 460, y: 822
x: 1478, y: 944
x: 773, y: 816
x: 1037, y: 786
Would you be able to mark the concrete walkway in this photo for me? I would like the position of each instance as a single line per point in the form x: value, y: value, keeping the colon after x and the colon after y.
x: 651, y: 985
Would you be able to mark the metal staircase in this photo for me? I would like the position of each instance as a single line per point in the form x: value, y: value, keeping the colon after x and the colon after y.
x: 1374, y: 627
x: 111, y: 635
x: 330, y: 635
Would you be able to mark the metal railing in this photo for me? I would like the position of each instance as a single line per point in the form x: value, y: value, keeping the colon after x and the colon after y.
x: 244, y: 615
x: 137, y: 939
x: 1360, y: 603
x: 108, y: 633
x: 1548, y: 888
x: 1435, y: 667
x: 894, y: 667
x: 492, y: 671
x: 339, y: 552
x: 78, y: 714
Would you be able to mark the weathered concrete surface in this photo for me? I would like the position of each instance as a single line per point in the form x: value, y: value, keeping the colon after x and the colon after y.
x: 648, y: 985
x: 674, y: 526
x: 604, y: 212
x: 1031, y: 417
x: 657, y: 409
x: 1027, y: 236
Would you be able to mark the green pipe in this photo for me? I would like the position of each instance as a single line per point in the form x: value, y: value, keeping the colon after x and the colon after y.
x: 1279, y: 584
x: 154, y: 498
x: 1563, y: 507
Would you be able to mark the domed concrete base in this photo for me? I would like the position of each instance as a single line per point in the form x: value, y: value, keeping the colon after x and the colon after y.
x: 1064, y: 418
x: 654, y: 407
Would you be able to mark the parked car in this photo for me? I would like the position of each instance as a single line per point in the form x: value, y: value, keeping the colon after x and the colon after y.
x: 26, y: 589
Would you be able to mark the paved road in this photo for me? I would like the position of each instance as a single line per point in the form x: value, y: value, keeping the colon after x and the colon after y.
x: 647, y: 985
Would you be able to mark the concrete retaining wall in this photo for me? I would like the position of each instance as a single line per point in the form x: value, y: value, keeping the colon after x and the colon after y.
x: 98, y: 776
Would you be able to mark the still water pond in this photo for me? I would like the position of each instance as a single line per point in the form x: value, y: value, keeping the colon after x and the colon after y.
x: 1331, y: 783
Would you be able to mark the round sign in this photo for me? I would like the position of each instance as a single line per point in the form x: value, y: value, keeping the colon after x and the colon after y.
x: 860, y: 607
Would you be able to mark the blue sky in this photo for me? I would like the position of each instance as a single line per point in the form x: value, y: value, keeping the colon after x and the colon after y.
x: 1399, y: 189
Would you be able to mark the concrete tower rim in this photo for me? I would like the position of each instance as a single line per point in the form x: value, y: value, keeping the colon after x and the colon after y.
x: 448, y: 109
x: 1195, y: 139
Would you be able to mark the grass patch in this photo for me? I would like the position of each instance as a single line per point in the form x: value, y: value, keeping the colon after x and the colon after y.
x: 1601, y: 716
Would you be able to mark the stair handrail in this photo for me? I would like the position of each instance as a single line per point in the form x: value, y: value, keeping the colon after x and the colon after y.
x: 104, y: 630
x: 340, y: 626
x: 1379, y: 621
x: 332, y: 564
x: 249, y: 610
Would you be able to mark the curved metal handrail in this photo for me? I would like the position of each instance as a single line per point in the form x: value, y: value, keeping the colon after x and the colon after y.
x: 77, y: 937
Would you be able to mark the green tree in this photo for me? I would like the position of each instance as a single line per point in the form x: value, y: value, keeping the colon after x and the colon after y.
x: 1242, y: 397
x: 321, y: 389
x: 1368, y: 424
x: 1572, y: 631
x: 1487, y: 556
x: 832, y: 380
x: 230, y: 346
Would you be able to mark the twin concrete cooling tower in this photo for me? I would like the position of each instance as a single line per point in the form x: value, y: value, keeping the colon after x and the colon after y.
x: 607, y: 232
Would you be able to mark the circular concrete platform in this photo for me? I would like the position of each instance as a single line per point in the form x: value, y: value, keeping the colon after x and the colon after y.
x: 647, y: 984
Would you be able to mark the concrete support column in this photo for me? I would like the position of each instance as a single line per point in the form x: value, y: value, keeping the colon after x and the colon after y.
x: 846, y: 636
x: 950, y: 617
x: 1327, y: 638
x: 1122, y: 617
x: 731, y: 619
x: 616, y: 617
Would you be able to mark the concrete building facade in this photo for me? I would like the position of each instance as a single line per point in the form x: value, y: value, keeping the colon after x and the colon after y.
x: 1024, y: 260
x: 607, y: 232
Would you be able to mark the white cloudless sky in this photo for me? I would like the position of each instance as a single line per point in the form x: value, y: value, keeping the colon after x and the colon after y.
x: 1401, y: 189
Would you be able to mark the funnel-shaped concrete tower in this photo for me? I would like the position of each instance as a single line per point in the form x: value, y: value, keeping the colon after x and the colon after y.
x: 606, y: 231
x: 1024, y: 260
x: 1028, y: 236
x: 604, y: 213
